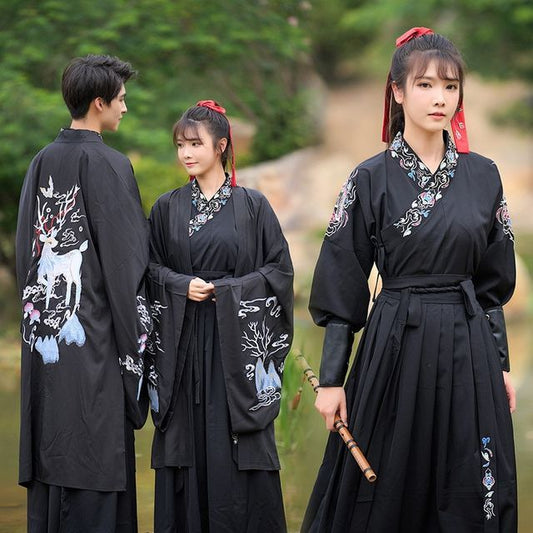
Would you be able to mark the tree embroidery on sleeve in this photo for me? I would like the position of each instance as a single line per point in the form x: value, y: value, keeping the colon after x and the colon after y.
x: 262, y: 340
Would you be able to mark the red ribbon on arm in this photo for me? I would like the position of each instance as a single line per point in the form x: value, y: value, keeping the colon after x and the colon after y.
x: 211, y: 104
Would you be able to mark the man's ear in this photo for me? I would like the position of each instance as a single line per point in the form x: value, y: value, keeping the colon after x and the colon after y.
x: 99, y: 103
x: 398, y: 93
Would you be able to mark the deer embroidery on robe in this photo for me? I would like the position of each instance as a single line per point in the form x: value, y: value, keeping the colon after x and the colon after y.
x: 58, y: 275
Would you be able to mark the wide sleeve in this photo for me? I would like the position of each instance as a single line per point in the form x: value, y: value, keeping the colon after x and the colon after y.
x: 120, y: 233
x: 167, y: 293
x: 339, y: 293
x: 255, y: 323
x: 495, y: 277
x: 25, y: 229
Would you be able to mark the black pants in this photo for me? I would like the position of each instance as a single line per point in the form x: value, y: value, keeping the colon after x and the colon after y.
x: 53, y: 509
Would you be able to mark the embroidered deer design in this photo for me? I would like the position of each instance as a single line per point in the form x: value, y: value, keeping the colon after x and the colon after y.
x: 53, y: 265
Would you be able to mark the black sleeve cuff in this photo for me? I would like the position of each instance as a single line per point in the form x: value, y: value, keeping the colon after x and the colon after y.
x: 497, y: 325
x: 336, y: 351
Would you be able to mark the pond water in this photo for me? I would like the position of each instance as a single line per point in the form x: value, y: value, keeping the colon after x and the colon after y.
x: 301, y: 436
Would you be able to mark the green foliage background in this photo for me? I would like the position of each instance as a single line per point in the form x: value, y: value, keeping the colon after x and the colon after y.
x: 255, y: 56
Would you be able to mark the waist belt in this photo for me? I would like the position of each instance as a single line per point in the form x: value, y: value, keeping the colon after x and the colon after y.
x: 412, y: 291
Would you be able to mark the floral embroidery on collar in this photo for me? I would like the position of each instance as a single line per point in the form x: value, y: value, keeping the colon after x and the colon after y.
x: 433, y: 184
x: 207, y: 208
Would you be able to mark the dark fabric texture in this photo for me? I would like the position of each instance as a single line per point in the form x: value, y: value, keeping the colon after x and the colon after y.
x: 82, y: 253
x: 53, y: 509
x: 425, y: 395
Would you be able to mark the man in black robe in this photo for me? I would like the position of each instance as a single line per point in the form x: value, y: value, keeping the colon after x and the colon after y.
x: 82, y: 251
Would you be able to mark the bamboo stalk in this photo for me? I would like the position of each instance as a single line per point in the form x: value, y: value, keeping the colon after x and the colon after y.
x: 339, y: 424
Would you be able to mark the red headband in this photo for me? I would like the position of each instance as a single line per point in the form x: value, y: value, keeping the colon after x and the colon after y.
x: 458, y: 124
x: 211, y: 104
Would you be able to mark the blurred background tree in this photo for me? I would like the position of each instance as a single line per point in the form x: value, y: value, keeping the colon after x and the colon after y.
x: 252, y: 56
x: 255, y: 56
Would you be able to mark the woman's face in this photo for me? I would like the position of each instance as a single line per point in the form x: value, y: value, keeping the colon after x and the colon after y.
x: 429, y: 101
x: 197, y: 153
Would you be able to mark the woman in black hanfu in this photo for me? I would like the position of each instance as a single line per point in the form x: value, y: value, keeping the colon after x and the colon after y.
x: 428, y: 397
x: 221, y: 295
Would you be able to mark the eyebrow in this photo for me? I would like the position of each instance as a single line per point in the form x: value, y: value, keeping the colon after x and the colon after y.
x: 432, y: 78
x: 190, y: 139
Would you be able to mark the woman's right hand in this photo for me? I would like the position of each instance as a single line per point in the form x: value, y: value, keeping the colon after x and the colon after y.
x: 329, y: 402
x: 199, y: 290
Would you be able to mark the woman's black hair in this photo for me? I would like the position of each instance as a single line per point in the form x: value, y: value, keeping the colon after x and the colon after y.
x: 216, y: 124
x: 413, y: 57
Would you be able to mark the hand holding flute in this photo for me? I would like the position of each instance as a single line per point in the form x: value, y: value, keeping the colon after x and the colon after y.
x: 333, y: 404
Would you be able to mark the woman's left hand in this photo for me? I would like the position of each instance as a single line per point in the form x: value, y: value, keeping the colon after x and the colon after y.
x: 509, y: 389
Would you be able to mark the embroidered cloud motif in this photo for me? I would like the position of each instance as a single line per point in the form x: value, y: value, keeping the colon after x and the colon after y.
x: 72, y: 331
x: 48, y: 349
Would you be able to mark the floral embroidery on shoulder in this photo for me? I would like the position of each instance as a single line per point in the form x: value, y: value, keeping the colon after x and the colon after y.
x: 207, y: 208
x: 418, y: 172
x: 347, y: 196
x: 504, y: 218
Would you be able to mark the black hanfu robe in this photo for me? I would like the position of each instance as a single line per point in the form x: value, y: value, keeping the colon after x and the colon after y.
x: 82, y: 253
x: 425, y: 395
x: 215, y: 380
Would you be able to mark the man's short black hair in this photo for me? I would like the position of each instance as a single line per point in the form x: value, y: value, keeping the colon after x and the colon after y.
x: 90, y: 77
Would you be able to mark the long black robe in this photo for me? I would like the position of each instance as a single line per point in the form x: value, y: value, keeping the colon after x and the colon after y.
x: 425, y: 395
x: 82, y: 252
x: 216, y: 378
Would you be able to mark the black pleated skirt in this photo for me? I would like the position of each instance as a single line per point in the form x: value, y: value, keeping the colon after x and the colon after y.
x: 427, y: 405
x: 214, y: 495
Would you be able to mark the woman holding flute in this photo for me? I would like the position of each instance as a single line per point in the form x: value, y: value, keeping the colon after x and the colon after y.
x: 428, y: 397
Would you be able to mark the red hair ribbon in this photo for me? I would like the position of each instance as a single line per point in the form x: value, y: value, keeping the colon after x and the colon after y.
x: 211, y: 104
x: 413, y: 33
x: 458, y: 124
x: 409, y: 35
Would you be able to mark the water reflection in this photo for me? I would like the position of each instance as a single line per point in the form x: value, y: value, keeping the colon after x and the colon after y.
x: 301, y: 434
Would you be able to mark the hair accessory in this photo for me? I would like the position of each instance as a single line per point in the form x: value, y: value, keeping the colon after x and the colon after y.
x: 413, y: 33
x: 409, y: 35
x: 211, y: 104
x: 458, y: 124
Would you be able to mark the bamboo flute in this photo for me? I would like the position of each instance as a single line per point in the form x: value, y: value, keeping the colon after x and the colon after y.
x: 339, y: 424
